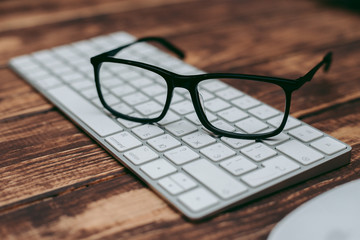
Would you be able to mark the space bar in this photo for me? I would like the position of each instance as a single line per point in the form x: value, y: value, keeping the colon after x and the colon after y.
x: 85, y: 111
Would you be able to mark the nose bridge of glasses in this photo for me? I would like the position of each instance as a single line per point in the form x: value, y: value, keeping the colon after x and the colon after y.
x: 183, y: 82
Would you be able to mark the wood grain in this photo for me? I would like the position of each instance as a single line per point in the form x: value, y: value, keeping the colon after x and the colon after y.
x: 56, y: 183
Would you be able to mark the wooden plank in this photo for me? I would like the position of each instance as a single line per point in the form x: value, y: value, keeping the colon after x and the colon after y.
x: 116, y: 208
x: 261, y: 32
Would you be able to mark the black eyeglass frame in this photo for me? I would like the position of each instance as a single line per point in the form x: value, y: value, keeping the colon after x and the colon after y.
x: 190, y: 83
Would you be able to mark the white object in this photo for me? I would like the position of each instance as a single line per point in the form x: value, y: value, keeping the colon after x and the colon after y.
x: 333, y: 215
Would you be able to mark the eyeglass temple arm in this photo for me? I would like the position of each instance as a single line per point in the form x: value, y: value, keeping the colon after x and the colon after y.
x: 160, y: 40
x: 308, y: 76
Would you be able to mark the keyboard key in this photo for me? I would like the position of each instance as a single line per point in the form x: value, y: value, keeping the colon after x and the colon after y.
x: 123, y: 141
x: 141, y: 155
x: 169, y: 118
x: 238, y: 165
x: 198, y: 139
x: 163, y: 142
x: 170, y: 185
x: 300, y: 152
x: 236, y: 143
x: 221, y: 124
x: 251, y: 125
x: 158, y: 168
x: 216, y: 104
x: 229, y: 93
x: 232, y: 114
x: 328, y: 145
x: 305, y: 133
x: 290, y: 123
x: 264, y: 112
x: 213, y: 86
x: 215, y: 179
x: 217, y: 152
x: 281, y: 137
x: 183, y: 180
x: 147, y: 131
x: 183, y: 107
x: 198, y: 199
x: 181, y: 128
x: 273, y: 168
x: 246, y: 102
x: 258, y: 151
x: 122, y: 90
x: 181, y: 155
x: 135, y: 98
x: 195, y: 120
x: 149, y: 108
x: 85, y: 111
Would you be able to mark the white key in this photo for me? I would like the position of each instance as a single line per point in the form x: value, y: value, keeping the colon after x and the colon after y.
x: 305, y: 133
x: 154, y: 89
x: 198, y: 199
x: 183, y: 180
x: 123, y: 141
x: 258, y: 151
x: 147, y: 131
x: 213, y: 86
x: 175, y: 98
x: 163, y: 142
x: 111, y: 99
x: 158, y: 168
x: 79, y: 85
x: 215, y: 179
x: 221, y: 124
x: 205, y: 95
x: 141, y: 155
x: 216, y: 104
x: 149, y: 108
x: 127, y: 123
x: 300, y: 152
x: 264, y: 112
x: 85, y: 111
x: 236, y: 143
x: 290, y: 123
x: 198, y: 139
x: 181, y: 128
x: 273, y: 168
x: 170, y: 185
x: 141, y: 82
x: 72, y: 77
x: 122, y: 108
x: 328, y: 145
x: 49, y: 82
x: 132, y: 76
x: 195, y: 120
x: 229, y: 93
x: 217, y: 152
x: 181, y: 155
x: 122, y: 90
x: 281, y: 137
x: 238, y: 165
x: 169, y: 118
x: 183, y: 107
x: 251, y: 125
x: 90, y: 93
x: 246, y: 102
x: 232, y: 114
x: 135, y: 98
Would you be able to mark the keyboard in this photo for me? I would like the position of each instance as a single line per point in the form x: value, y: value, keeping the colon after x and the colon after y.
x: 198, y: 173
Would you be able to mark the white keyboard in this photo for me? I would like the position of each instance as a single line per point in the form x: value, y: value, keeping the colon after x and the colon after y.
x: 197, y: 173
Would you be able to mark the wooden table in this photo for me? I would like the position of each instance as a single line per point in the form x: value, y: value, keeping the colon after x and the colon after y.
x: 56, y: 183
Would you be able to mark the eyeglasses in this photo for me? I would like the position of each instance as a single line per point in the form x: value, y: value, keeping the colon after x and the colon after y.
x: 224, y: 103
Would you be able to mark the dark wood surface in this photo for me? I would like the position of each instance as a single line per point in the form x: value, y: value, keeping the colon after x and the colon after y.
x: 56, y: 183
